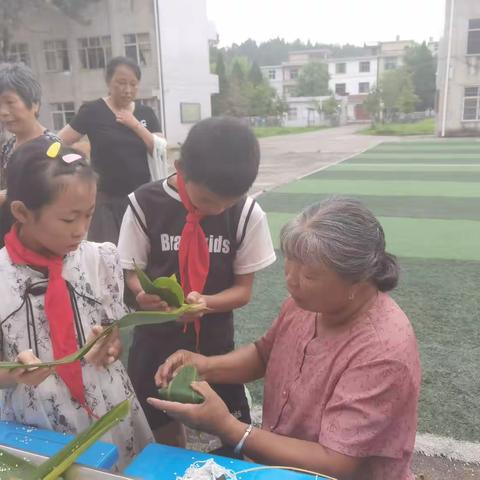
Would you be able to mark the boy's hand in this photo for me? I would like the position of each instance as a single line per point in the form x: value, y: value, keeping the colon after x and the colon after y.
x: 151, y: 302
x: 201, y: 308
x: 107, y: 350
x: 32, y: 376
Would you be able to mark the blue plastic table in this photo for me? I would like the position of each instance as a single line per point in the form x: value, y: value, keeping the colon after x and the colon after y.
x: 45, y: 442
x: 160, y: 462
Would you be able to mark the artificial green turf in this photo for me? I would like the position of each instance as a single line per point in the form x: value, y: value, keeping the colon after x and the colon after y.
x: 425, y: 176
x: 400, y: 167
x: 416, y: 237
x: 414, y: 157
x: 418, y: 156
x: 447, y: 208
x: 457, y: 145
x: 442, y: 301
x: 387, y: 187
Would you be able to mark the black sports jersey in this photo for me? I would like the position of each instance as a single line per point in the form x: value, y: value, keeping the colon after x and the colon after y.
x: 164, y: 232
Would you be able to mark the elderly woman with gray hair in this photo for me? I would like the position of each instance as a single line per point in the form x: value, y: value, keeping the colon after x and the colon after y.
x: 340, y: 362
x: 20, y: 95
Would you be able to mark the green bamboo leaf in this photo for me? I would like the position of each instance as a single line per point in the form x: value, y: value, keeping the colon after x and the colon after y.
x: 15, y: 468
x: 167, y: 288
x: 52, y: 468
x: 134, y: 319
x: 179, y: 389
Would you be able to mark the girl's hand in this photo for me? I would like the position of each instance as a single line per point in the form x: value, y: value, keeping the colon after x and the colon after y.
x: 211, y: 416
x: 174, y: 362
x: 105, y: 351
x: 151, y: 302
x: 127, y: 118
x: 32, y: 376
x: 201, y: 308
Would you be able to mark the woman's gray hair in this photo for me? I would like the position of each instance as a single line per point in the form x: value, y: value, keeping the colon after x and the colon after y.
x: 346, y: 236
x: 20, y: 79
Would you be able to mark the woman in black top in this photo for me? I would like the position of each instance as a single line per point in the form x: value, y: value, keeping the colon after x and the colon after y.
x: 120, y: 132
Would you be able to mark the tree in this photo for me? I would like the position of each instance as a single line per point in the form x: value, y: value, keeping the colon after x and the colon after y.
x: 255, y: 75
x: 220, y: 99
x: 422, y: 65
x: 373, y: 105
x: 331, y: 109
x: 312, y: 80
x: 397, y: 92
x: 11, y: 12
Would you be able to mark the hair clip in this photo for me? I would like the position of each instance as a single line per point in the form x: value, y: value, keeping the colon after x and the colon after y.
x: 53, y: 149
x: 71, y: 157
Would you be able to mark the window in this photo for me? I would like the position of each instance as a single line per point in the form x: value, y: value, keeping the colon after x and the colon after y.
x: 19, y: 53
x: 62, y: 113
x: 473, y: 43
x: 363, y: 87
x: 390, y: 63
x: 137, y: 47
x: 341, y: 88
x: 190, y: 112
x: 293, y: 73
x: 272, y: 74
x: 471, y: 104
x: 56, y: 56
x: 340, y: 68
x: 364, y: 67
x: 95, y: 52
x: 292, y: 113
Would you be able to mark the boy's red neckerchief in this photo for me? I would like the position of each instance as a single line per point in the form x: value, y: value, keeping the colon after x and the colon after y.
x: 193, y: 255
x: 59, y: 312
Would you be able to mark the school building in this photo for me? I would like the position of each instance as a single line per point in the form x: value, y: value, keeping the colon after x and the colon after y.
x: 168, y: 39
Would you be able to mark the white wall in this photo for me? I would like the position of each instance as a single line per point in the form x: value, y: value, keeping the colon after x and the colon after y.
x: 352, y: 77
x: 464, y: 69
x: 184, y: 33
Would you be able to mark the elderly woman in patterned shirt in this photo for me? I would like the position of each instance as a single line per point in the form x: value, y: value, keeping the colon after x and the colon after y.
x: 340, y: 362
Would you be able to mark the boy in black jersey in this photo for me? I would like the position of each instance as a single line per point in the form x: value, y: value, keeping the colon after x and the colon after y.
x: 218, y: 164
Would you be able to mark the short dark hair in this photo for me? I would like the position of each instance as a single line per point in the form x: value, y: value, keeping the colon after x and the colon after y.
x: 116, y: 62
x: 35, y: 179
x: 20, y: 79
x: 222, y: 154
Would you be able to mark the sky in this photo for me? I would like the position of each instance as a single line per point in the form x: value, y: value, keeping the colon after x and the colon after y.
x: 326, y: 21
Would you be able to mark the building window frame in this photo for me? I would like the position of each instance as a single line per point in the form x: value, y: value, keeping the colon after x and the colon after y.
x: 190, y: 112
x: 62, y: 114
x: 364, y: 66
x: 138, y: 47
x: 341, y: 89
x: 19, y: 53
x: 473, y: 37
x: 272, y: 74
x: 471, y: 103
x: 95, y: 52
x: 390, y: 63
x: 340, y: 68
x: 292, y: 113
x: 363, y: 87
x: 293, y: 73
x: 57, y: 58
